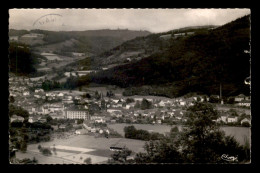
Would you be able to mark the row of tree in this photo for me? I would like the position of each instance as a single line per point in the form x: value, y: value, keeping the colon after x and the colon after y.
x: 133, y: 133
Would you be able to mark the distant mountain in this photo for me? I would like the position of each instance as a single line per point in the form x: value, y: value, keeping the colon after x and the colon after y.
x: 14, y: 32
x: 92, y: 41
x: 200, y: 62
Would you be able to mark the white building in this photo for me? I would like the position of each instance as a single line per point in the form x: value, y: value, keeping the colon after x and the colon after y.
x: 16, y: 118
x: 231, y: 119
x: 76, y: 114
x: 182, y: 103
x: 246, y: 103
x: 245, y: 120
x: 26, y: 93
x: 38, y: 90
x: 222, y: 118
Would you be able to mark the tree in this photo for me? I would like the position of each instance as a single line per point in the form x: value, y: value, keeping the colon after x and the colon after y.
x: 162, y: 151
x: 23, y: 147
x: 49, y: 118
x: 12, y: 100
x: 88, y: 95
x: 130, y: 100
x: 97, y: 95
x: 103, y: 104
x: 110, y: 93
x: 145, y: 104
x: 46, y: 151
x: 231, y: 100
x: 121, y: 156
x: 137, y: 104
x: 203, y: 141
x: 87, y: 160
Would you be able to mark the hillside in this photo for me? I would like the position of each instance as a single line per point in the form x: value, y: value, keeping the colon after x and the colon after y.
x: 197, y: 63
x: 141, y: 47
x: 93, y: 41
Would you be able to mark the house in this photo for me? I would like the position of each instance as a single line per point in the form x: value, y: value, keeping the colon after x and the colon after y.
x: 246, y: 103
x: 67, y: 99
x: 101, y: 120
x: 115, y: 100
x: 182, y: 103
x: 93, y: 130
x: 138, y: 99
x: 161, y: 103
x: 113, y: 110
x: 81, y: 132
x: 42, y: 120
x: 245, y: 120
x: 78, y: 54
x: 179, y: 35
x: 60, y: 95
x: 37, y: 96
x: 159, y: 121
x: 232, y: 119
x: 26, y: 93
x: 17, y: 118
x: 240, y: 97
x: 56, y: 107
x: 191, y: 104
x: 32, y: 119
x: 129, y: 105
x: 45, y: 109
x: 62, y: 126
x: 166, y: 36
x: 38, y: 90
x: 190, y: 33
x: 222, y: 118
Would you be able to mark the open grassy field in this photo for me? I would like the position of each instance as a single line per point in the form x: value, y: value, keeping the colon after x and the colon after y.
x: 76, y: 148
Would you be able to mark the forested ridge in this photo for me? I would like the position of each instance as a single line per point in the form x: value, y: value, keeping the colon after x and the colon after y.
x: 197, y: 63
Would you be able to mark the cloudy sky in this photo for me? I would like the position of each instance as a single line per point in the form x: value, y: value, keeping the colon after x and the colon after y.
x: 153, y: 20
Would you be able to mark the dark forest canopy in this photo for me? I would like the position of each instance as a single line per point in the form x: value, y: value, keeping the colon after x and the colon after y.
x: 21, y: 60
x: 197, y: 63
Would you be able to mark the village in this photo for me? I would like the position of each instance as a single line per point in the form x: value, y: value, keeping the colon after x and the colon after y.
x: 98, y: 107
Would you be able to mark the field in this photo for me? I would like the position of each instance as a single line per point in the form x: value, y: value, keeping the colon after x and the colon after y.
x: 238, y: 132
x: 76, y: 148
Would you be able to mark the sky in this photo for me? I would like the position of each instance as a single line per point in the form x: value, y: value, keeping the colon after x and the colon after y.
x: 153, y: 20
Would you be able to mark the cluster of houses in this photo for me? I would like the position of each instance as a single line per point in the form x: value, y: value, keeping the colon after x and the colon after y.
x: 88, y: 126
x: 63, y: 104
x: 232, y: 119
x: 168, y: 36
x: 79, y: 73
x: 242, y: 100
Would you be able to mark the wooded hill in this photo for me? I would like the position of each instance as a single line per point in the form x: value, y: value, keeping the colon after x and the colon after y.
x: 197, y: 63
x: 144, y: 46
x: 91, y: 41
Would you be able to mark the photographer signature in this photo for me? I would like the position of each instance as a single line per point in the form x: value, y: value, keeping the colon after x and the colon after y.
x: 229, y: 158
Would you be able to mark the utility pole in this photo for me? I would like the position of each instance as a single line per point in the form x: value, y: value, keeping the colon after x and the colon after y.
x: 220, y: 92
x: 16, y: 59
